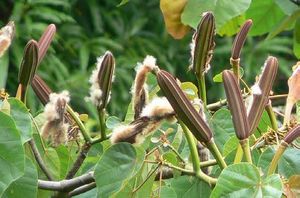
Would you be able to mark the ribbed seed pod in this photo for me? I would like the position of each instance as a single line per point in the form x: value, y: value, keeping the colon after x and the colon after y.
x: 45, y: 41
x: 265, y: 84
x: 41, y: 89
x: 240, y: 39
x: 183, y: 107
x: 203, y: 44
x: 292, y: 135
x: 101, y: 80
x: 236, y: 105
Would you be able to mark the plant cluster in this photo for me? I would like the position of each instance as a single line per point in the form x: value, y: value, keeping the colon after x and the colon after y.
x: 172, y: 143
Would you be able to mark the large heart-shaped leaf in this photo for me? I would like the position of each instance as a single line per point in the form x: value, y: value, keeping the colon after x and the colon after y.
x: 288, y: 164
x: 25, y: 185
x: 244, y: 180
x: 21, y: 116
x: 223, y: 10
x: 12, y: 157
x: 190, y: 187
x: 119, y: 163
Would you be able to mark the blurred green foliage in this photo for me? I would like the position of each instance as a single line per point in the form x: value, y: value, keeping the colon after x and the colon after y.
x: 86, y: 29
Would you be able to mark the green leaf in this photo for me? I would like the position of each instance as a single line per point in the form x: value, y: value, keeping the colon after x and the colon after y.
x: 21, y: 116
x: 265, y: 15
x: 25, y: 185
x: 12, y: 157
x: 112, y: 122
x: 288, y: 164
x: 223, y: 10
x: 218, y: 77
x: 296, y: 45
x: 118, y: 163
x: 52, y: 160
x: 123, y: 2
x: 244, y: 180
x: 167, y: 192
x: 66, y: 156
x: 222, y: 127
x: 294, y: 186
x: 232, y: 26
x: 230, y: 145
x: 190, y: 187
x: 287, y: 6
x: 190, y: 90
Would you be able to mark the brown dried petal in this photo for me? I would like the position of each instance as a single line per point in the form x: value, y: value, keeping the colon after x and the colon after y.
x: 183, y: 107
x: 236, y: 105
x: 204, y: 43
x: 240, y: 39
x: 292, y: 135
x: 265, y: 84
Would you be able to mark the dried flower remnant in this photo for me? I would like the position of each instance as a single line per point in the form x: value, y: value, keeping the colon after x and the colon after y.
x: 203, y: 44
x: 55, y: 127
x: 139, y: 91
x: 236, y: 105
x: 6, y: 35
x: 261, y: 91
x: 151, y: 117
x: 294, y: 93
x: 101, y: 80
x: 183, y: 107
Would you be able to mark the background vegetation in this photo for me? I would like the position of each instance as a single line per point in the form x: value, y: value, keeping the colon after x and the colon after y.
x: 85, y: 29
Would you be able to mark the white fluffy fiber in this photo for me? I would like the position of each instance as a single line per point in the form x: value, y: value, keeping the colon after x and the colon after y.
x: 50, y: 109
x: 157, y: 107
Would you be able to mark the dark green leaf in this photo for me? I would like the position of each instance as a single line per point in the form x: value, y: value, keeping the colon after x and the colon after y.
x: 244, y: 180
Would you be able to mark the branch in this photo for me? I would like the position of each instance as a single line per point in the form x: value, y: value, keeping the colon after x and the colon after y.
x: 82, y: 189
x: 67, y: 185
x: 81, y: 157
x: 39, y: 159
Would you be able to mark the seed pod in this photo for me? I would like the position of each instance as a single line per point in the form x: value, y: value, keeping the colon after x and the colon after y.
x: 240, y: 39
x: 260, y: 99
x: 101, y: 80
x: 41, y: 89
x: 203, y: 44
x: 292, y: 135
x: 183, y: 107
x: 45, y: 41
x: 236, y: 105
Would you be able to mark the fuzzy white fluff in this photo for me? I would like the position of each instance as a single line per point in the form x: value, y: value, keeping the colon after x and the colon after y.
x: 149, y: 62
x: 256, y: 89
x: 157, y: 107
x: 6, y: 34
x: 121, y: 132
x: 51, y: 107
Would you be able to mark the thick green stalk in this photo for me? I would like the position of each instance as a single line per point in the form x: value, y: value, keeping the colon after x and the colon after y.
x: 246, y: 148
x: 272, y: 117
x: 276, y: 157
x: 81, y: 126
x: 202, y: 90
x: 102, y: 123
x: 216, y: 153
x: 195, y: 157
x: 239, y: 154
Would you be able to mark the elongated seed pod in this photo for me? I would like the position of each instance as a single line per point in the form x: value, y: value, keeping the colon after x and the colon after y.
x: 240, y: 39
x: 292, y: 135
x: 183, y: 107
x: 236, y: 105
x: 45, y: 41
x: 265, y: 84
x: 203, y: 44
x: 41, y: 89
